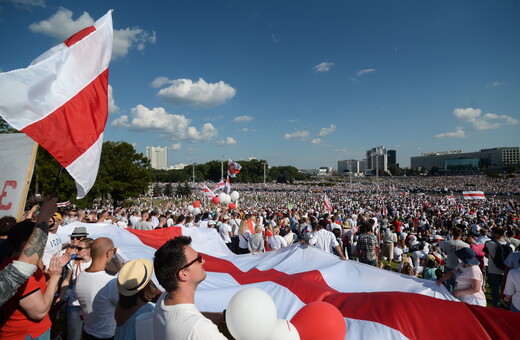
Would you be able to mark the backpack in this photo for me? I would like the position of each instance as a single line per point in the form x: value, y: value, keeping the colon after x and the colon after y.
x: 501, y: 254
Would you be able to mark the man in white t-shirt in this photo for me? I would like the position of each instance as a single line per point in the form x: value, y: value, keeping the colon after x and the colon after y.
x: 449, y: 248
x: 225, y: 232
x: 97, y: 292
x: 325, y: 240
x: 180, y: 269
x: 54, y: 243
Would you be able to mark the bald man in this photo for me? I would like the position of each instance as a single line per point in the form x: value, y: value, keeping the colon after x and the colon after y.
x: 97, y: 292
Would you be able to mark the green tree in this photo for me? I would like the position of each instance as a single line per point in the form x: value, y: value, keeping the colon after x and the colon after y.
x: 183, y: 190
x: 5, y: 127
x: 168, y: 190
x: 157, y: 190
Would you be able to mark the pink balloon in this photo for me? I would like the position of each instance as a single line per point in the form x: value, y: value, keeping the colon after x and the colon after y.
x: 320, y: 320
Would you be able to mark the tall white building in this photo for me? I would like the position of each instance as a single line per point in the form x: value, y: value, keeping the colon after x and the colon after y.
x: 158, y: 156
x: 377, y: 158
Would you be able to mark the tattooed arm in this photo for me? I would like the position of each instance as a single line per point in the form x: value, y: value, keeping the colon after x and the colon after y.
x: 33, y: 250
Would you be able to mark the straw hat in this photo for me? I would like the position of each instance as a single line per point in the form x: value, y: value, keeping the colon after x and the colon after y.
x: 134, y: 276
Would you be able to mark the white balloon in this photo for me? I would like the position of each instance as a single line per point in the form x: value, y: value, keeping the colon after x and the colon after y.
x: 284, y: 330
x: 196, y: 211
x: 251, y: 315
x: 221, y: 197
x: 190, y: 208
x: 234, y: 196
x: 227, y: 199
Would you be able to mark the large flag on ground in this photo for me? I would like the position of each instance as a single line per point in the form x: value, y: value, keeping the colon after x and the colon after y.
x: 61, y: 100
x: 473, y: 195
x: 375, y: 303
x: 233, y: 168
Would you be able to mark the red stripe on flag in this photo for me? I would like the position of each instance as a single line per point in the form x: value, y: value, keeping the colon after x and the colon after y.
x: 409, y: 316
x: 79, y: 122
x: 156, y: 238
x: 78, y: 36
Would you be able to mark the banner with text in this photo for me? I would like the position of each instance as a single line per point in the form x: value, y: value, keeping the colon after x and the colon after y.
x: 17, y: 157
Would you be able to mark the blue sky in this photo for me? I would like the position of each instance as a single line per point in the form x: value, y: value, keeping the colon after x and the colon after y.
x: 303, y: 83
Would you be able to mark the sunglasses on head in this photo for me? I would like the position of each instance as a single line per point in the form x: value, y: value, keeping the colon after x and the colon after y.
x: 197, y: 259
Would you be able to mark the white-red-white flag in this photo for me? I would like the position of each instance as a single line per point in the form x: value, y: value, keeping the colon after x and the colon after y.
x: 208, y: 192
x: 220, y: 186
x: 473, y: 195
x: 227, y: 186
x: 233, y: 168
x: 61, y: 100
x: 298, y: 275
x: 451, y: 199
x: 327, y: 204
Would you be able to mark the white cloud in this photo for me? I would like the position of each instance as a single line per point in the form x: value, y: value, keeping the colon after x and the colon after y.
x: 227, y: 141
x: 112, y: 107
x: 459, y: 133
x: 121, y: 121
x: 176, y: 146
x: 487, y: 121
x: 243, y: 119
x: 202, y: 94
x: 171, y: 126
x: 495, y: 84
x: 316, y: 141
x: 327, y: 131
x: 159, y: 81
x: 297, y: 135
x: 365, y: 71
x: 323, y: 67
x: 247, y: 130
x: 61, y: 25
x: 27, y: 4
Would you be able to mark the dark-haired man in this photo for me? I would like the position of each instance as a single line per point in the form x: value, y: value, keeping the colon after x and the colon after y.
x: 180, y: 269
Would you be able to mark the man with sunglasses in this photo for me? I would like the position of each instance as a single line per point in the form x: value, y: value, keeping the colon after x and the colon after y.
x: 180, y: 269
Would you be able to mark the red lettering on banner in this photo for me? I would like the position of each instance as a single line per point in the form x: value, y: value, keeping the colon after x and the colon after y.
x: 7, y: 206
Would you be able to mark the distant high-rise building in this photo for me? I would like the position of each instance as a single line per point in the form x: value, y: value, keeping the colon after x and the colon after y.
x: 158, y: 156
x: 392, y: 159
x: 348, y: 166
x: 377, y: 158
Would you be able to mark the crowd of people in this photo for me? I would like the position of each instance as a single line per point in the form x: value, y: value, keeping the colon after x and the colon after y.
x: 462, y: 244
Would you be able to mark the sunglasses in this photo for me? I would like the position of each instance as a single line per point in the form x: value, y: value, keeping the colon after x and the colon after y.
x: 81, y: 248
x: 76, y: 237
x: 197, y: 259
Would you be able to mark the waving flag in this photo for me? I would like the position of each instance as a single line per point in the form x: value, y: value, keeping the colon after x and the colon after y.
x: 327, y: 204
x: 233, y: 168
x: 208, y: 192
x: 61, y: 100
x: 473, y: 195
x: 297, y: 275
x: 220, y: 186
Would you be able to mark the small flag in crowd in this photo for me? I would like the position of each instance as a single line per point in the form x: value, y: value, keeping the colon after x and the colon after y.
x: 327, y: 204
x: 61, y: 100
x: 63, y: 204
x: 510, y: 206
x: 233, y: 168
x: 473, y: 195
x: 451, y: 198
x: 220, y: 186
x: 208, y: 192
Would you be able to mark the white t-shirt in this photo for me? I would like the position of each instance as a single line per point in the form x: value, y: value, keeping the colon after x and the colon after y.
x: 97, y: 294
x: 52, y: 247
x: 235, y: 223
x: 182, y: 322
x: 75, y: 267
x: 224, y: 230
x: 513, y: 286
x: 324, y: 240
x: 276, y: 242
x: 449, y: 248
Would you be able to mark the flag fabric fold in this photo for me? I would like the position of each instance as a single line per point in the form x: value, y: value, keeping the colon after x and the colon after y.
x: 208, y: 192
x: 233, y: 168
x: 220, y: 186
x: 297, y: 275
x: 61, y: 100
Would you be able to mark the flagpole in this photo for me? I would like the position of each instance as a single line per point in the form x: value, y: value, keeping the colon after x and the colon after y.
x: 56, y: 182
